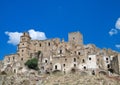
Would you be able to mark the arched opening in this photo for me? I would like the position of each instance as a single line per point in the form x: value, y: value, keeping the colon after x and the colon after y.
x: 74, y: 59
x: 60, y: 51
x: 83, y: 61
x: 46, y: 61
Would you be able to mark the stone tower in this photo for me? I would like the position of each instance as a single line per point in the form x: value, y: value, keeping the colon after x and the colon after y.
x: 24, y: 47
x: 75, y: 37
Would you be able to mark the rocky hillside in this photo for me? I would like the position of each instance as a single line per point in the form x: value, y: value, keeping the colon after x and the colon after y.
x: 58, y: 79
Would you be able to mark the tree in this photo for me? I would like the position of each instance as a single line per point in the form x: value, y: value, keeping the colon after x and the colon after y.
x: 32, y: 64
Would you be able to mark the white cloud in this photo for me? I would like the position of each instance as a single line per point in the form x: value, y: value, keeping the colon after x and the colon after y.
x: 117, y: 25
x: 113, y: 31
x: 36, y: 35
x: 14, y: 37
x: 116, y: 29
x: 117, y: 46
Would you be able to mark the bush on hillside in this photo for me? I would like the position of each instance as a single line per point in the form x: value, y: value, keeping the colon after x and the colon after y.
x: 32, y: 64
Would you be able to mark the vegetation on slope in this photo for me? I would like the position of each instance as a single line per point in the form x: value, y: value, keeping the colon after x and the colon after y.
x: 32, y: 63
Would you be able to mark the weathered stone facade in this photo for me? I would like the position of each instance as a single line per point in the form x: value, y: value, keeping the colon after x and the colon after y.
x: 63, y: 56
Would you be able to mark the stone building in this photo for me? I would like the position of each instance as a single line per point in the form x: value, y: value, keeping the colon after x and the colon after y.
x: 63, y: 56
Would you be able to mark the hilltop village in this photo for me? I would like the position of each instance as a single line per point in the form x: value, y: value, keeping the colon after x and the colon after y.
x: 58, y: 55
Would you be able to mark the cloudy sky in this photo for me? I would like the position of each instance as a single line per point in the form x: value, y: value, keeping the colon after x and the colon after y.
x: 97, y: 20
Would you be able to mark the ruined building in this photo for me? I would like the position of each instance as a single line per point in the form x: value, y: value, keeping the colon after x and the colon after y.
x: 55, y: 54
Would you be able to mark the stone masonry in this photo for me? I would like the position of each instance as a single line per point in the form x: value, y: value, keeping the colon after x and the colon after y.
x: 63, y: 56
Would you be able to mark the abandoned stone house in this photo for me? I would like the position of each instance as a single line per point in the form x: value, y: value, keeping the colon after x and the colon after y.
x: 59, y: 55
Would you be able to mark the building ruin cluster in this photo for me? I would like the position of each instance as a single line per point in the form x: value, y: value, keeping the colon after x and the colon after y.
x: 58, y: 55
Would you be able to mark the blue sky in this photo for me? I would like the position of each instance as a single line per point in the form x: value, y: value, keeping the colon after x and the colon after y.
x: 97, y: 20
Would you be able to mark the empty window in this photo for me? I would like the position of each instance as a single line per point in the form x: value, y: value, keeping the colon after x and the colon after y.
x: 83, y: 61
x: 93, y: 72
x: 23, y: 44
x: 45, y: 61
x: 89, y: 58
x: 49, y: 44
x: 22, y: 50
x: 74, y: 65
x: 108, y: 66
x: 106, y: 58
x: 14, y: 70
x: 22, y: 59
x: 78, y: 53
x: 84, y: 67
x: 55, y: 66
x: 40, y: 44
x: 60, y: 51
x: 65, y: 59
x: 64, y: 65
x: 74, y: 59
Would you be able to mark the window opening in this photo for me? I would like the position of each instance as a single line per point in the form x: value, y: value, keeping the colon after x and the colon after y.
x: 108, y: 66
x: 49, y: 44
x: 64, y: 65
x: 83, y: 61
x: 74, y: 59
x: 40, y: 44
x: 89, y: 58
x: 60, y: 51
x: 56, y: 67
x: 45, y: 61
x: 84, y: 67
x: 93, y: 72
x: 74, y: 65
x: 22, y: 59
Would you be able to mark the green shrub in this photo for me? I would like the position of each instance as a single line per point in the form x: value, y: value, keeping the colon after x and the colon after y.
x: 32, y: 64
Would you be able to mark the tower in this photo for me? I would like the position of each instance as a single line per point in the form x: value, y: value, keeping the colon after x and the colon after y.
x: 24, y: 47
x: 75, y: 37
